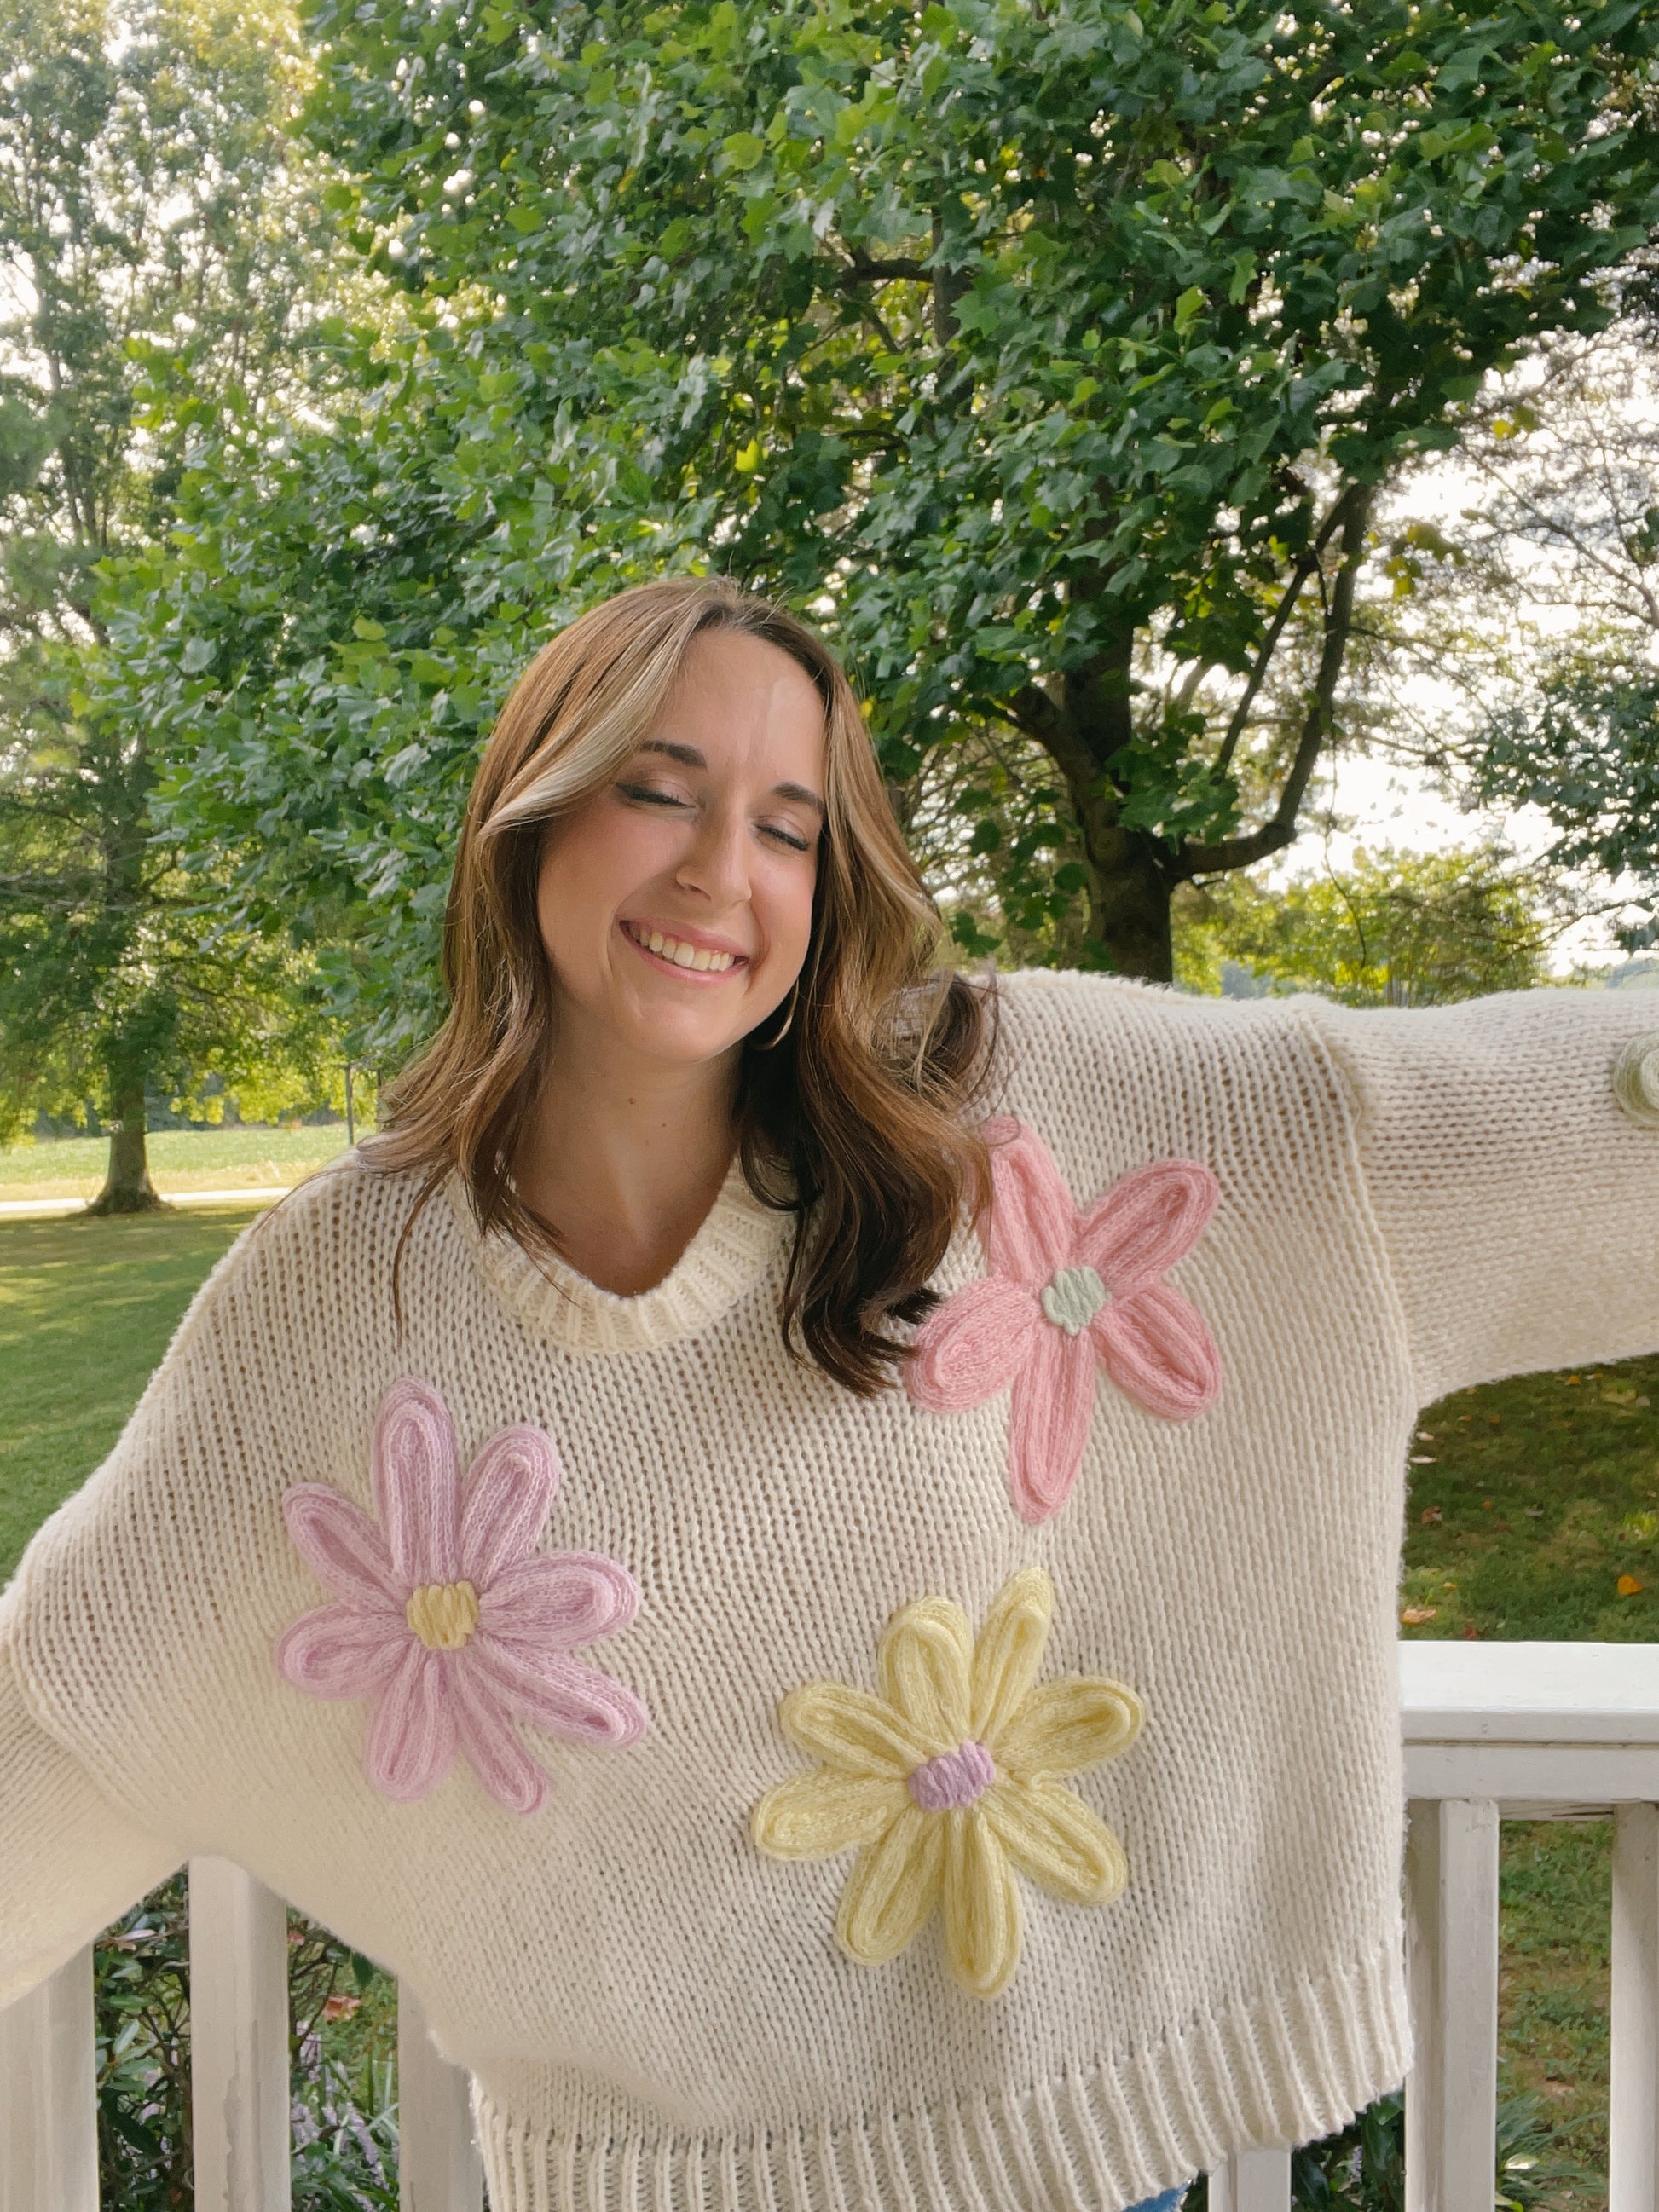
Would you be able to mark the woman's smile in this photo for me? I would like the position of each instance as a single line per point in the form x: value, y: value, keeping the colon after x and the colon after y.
x: 692, y: 954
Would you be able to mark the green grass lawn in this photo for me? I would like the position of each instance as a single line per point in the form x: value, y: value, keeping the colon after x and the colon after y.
x: 179, y: 1159
x: 1532, y: 1502
x: 86, y: 1311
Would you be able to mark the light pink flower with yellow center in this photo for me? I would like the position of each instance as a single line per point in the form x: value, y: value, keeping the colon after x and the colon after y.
x: 449, y: 1619
x: 950, y: 1781
x: 1070, y: 1291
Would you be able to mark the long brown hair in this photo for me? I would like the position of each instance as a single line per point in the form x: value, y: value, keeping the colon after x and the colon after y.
x: 856, y: 1122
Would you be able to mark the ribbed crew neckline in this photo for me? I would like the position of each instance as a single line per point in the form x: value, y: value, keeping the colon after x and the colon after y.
x: 727, y: 1256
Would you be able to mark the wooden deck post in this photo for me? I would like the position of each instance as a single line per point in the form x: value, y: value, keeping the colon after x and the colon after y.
x: 1252, y: 2181
x: 439, y: 2169
x: 1451, y: 2098
x: 1633, y: 2098
x: 238, y: 2095
x: 48, y: 2108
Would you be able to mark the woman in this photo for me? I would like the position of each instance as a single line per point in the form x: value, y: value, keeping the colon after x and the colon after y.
x: 810, y: 1553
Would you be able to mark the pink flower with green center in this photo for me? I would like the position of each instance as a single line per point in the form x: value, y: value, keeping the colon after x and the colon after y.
x: 449, y: 1619
x: 1071, y: 1290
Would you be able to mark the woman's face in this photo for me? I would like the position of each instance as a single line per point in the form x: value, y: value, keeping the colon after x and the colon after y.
x: 675, y: 906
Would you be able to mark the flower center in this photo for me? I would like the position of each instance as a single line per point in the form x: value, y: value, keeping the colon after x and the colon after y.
x: 953, y: 1780
x: 442, y: 1614
x: 1073, y: 1298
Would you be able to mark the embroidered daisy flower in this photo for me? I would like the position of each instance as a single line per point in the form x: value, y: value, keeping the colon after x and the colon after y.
x: 949, y: 1780
x: 449, y: 1619
x: 1069, y: 1291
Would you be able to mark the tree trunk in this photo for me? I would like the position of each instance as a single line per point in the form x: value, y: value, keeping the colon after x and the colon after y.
x: 1129, y: 907
x: 127, y: 1186
x: 1082, y: 723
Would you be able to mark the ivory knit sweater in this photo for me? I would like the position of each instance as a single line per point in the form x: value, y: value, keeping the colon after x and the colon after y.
x: 986, y: 1795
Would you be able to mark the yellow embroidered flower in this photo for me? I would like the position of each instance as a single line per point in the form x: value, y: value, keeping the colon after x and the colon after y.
x: 948, y: 1781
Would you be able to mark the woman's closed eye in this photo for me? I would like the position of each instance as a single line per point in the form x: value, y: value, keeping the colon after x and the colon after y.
x: 651, y: 795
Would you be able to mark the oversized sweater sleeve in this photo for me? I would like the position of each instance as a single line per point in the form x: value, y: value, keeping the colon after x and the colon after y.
x: 1510, y: 1150
x: 71, y: 1863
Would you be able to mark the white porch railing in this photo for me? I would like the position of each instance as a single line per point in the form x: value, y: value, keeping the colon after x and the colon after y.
x: 1492, y: 1732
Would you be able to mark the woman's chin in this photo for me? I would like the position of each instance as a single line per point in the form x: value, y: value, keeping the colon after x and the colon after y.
x: 677, y: 1037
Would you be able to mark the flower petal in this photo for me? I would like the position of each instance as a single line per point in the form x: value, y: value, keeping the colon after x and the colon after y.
x: 564, y: 1697
x: 341, y: 1544
x: 1146, y: 1222
x: 1053, y: 1836
x: 410, y: 1742
x: 508, y: 1498
x: 1028, y: 1230
x: 973, y: 1345
x: 338, y: 1651
x: 982, y: 1920
x: 489, y: 1742
x: 1054, y: 1403
x: 1009, y: 1650
x: 1157, y: 1349
x: 417, y: 1484
x: 852, y: 1731
x: 1065, y: 1726
x: 924, y: 1660
x: 558, y: 1599
x: 812, y: 1815
x: 892, y: 1891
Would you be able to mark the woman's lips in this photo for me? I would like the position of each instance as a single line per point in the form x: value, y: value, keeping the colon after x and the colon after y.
x: 684, y: 955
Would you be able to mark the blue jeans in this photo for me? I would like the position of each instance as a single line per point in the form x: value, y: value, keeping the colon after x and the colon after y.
x: 1166, y: 2203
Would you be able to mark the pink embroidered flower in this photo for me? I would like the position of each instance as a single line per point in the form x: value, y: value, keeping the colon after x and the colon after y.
x: 449, y: 1619
x: 1066, y: 1290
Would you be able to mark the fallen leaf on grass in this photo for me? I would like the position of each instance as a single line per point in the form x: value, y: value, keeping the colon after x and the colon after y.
x: 1628, y: 1586
x: 1413, y: 1616
x: 1432, y: 1516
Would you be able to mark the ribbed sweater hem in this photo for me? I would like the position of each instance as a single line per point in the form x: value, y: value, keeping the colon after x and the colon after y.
x: 1293, y: 2064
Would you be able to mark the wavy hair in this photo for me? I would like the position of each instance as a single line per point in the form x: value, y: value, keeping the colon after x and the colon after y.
x: 857, y: 1122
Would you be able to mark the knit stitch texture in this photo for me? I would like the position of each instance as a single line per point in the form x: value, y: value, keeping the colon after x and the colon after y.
x: 654, y: 2005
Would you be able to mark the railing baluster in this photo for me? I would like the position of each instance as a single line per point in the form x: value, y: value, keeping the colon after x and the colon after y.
x: 48, y: 2100
x: 239, y: 2091
x: 1633, y: 2091
x: 439, y: 2169
x: 1252, y: 2181
x: 1451, y: 2098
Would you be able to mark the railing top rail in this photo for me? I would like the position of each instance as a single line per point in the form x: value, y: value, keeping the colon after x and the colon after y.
x: 1529, y: 1692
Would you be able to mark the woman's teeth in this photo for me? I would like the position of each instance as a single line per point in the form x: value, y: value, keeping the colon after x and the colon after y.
x: 682, y: 955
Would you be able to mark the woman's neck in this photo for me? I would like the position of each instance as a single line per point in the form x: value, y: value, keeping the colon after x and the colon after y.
x: 623, y: 1162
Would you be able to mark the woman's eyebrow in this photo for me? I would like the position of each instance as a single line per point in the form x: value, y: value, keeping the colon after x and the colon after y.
x: 689, y: 756
x: 799, y: 791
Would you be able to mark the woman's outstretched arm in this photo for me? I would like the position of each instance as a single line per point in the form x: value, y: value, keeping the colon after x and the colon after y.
x: 1510, y: 1152
x: 70, y: 1862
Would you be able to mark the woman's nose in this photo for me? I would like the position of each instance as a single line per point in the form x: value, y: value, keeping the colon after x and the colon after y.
x: 717, y: 863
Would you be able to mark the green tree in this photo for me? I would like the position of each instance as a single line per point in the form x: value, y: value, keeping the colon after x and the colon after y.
x: 1056, y: 357
x: 1515, y: 657
x: 1396, y: 928
x: 152, y: 210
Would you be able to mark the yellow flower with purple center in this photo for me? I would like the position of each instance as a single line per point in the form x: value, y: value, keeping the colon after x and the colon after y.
x: 950, y: 1782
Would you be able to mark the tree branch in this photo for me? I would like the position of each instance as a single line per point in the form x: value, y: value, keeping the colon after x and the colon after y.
x: 1282, y: 613
x: 1279, y: 829
x: 863, y: 270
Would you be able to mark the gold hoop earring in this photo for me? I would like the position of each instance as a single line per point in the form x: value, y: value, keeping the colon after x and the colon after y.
x: 772, y: 1043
